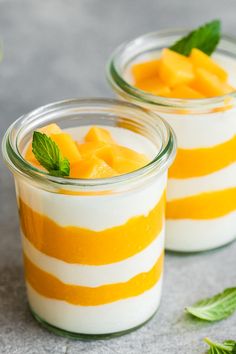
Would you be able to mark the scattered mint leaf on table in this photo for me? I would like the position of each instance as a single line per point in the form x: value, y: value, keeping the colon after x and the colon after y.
x: 227, y: 347
x: 215, y: 308
x: 49, y: 156
x: 204, y: 38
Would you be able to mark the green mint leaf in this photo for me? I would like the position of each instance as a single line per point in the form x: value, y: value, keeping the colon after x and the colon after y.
x: 215, y: 308
x: 227, y: 347
x: 204, y: 38
x: 49, y: 156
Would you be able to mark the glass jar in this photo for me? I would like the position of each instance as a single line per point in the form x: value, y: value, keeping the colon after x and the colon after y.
x: 93, y: 248
x: 201, y: 193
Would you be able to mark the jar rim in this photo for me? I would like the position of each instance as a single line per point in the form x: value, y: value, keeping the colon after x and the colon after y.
x: 127, y: 90
x: 19, y: 165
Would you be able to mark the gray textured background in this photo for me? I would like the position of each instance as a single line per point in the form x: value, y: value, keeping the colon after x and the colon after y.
x: 55, y: 49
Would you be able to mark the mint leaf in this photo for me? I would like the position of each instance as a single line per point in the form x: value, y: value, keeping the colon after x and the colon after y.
x: 215, y: 308
x: 204, y: 38
x: 227, y: 347
x: 49, y: 156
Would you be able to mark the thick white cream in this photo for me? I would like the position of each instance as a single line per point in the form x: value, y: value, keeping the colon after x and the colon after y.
x: 93, y: 212
x: 182, y: 188
x: 200, y: 235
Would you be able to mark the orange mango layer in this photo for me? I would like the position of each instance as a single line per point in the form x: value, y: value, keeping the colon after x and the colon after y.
x: 79, y: 245
x: 51, y: 287
x: 98, y: 157
x: 200, y: 162
x: 177, y: 76
x: 203, y: 206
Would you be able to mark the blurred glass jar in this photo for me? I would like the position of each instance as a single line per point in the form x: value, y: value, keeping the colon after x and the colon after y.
x: 201, y: 193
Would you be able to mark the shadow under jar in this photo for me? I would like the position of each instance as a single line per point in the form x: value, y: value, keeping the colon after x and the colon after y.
x: 201, y: 192
x: 93, y: 248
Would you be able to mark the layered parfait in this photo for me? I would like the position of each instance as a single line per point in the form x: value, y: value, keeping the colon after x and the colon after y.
x: 91, y: 202
x: 191, y: 83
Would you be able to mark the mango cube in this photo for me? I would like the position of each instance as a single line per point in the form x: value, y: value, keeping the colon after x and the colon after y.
x: 67, y: 147
x: 175, y: 69
x: 145, y: 70
x: 92, y: 167
x: 184, y: 91
x: 125, y: 160
x: 202, y: 60
x: 153, y: 85
x: 99, y: 134
x: 209, y: 84
x: 97, y: 148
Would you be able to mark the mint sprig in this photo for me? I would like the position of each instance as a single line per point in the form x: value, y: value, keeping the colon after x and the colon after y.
x: 227, y: 347
x: 215, y: 308
x: 49, y: 156
x: 204, y: 38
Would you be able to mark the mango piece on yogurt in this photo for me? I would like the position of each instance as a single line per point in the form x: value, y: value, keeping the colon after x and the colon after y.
x: 97, y: 148
x: 99, y: 134
x: 202, y: 60
x: 92, y: 167
x: 48, y: 130
x: 145, y: 70
x: 209, y: 84
x: 67, y: 147
x: 125, y: 160
x: 175, y: 69
x: 184, y: 91
x: 154, y: 86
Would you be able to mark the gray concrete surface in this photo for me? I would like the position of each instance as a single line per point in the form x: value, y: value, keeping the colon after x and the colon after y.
x: 55, y: 49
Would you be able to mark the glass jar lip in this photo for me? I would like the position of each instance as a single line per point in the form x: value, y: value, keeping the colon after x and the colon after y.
x: 125, y: 89
x: 19, y: 165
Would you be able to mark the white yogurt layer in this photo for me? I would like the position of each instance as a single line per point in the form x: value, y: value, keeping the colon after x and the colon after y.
x: 201, y: 131
x: 93, y: 212
x: 182, y: 188
x: 103, y: 319
x: 199, y: 235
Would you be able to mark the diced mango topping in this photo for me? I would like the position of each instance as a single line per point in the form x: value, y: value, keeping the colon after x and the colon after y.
x: 98, y: 157
x: 177, y: 76
x: 175, y: 69
x: 202, y: 60
x: 126, y: 160
x: 209, y: 84
x: 98, y: 148
x: 99, y: 134
x: 92, y: 167
x: 145, y: 70
x: 184, y: 91
x: 67, y: 147
x: 153, y: 85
